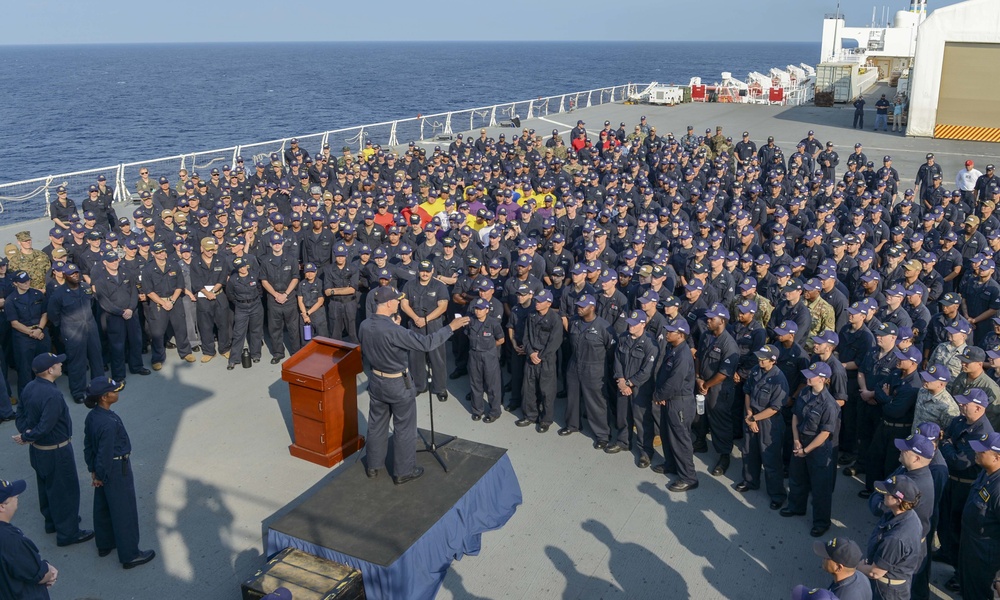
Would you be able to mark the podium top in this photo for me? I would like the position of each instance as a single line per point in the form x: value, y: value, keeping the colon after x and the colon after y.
x: 323, y: 363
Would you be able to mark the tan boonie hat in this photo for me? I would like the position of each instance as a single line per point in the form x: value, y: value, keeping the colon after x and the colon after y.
x: 10, y: 250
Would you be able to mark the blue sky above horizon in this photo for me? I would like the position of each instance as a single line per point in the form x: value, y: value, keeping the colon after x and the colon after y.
x: 180, y: 21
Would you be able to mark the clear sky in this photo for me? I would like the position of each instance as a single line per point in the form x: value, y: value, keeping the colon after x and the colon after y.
x: 122, y: 21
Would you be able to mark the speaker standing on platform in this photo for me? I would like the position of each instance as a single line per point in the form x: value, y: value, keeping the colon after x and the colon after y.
x: 391, y: 391
x: 107, y: 451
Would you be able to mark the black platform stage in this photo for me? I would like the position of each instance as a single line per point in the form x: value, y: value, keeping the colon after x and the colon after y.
x: 371, y: 523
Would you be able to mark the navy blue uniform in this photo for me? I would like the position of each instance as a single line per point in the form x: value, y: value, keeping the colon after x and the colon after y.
x: 544, y: 334
x: 27, y: 309
x: 282, y: 318
x: 391, y: 390
x: 107, y: 450
x: 590, y: 343
x: 214, y: 318
x: 342, y: 309
x: 248, y: 317
x: 979, y: 553
x: 878, y: 369
x: 813, y: 474
x: 43, y: 420
x: 116, y: 294
x: 22, y: 567
x: 675, y: 381
x: 311, y: 292
x: 895, y: 546
x: 853, y: 347
x: 164, y: 282
x: 635, y: 362
x: 424, y: 300
x: 72, y: 311
x: 962, y: 473
x: 718, y: 354
x: 516, y: 328
x: 765, y: 390
x: 925, y: 510
x: 484, y: 365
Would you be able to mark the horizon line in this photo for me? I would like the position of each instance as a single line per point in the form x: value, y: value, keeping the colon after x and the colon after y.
x: 414, y: 41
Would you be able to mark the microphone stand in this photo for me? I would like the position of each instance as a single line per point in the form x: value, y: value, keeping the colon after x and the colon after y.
x: 432, y: 446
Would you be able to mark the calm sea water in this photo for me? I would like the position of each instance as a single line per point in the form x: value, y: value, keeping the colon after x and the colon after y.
x: 69, y: 108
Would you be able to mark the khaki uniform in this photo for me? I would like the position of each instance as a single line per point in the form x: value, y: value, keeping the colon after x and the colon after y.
x: 823, y: 318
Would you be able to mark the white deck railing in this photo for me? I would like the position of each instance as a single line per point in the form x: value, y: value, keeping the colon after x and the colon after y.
x: 29, y: 199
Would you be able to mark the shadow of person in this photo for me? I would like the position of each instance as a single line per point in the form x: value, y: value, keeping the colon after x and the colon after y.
x: 205, y: 525
x: 454, y: 584
x: 578, y: 585
x: 696, y: 525
x: 639, y: 572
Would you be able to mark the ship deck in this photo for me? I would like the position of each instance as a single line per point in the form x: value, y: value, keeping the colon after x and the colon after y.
x: 212, y: 465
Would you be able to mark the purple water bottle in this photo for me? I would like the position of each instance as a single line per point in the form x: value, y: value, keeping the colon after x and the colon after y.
x: 307, y: 332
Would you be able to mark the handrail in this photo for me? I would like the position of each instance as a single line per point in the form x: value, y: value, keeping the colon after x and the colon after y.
x: 16, y: 197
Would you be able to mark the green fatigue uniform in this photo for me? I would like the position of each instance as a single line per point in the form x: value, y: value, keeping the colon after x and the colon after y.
x: 35, y: 264
x: 983, y: 382
x: 764, y: 308
x: 718, y: 143
x: 823, y: 318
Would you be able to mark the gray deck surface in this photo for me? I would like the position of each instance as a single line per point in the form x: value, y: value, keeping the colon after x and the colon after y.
x: 211, y: 461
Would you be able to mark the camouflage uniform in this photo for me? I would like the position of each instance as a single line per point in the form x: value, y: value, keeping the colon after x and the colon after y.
x: 823, y: 318
x: 764, y: 308
x: 36, y: 263
x: 930, y: 408
x: 946, y: 354
x: 706, y: 148
x: 718, y: 141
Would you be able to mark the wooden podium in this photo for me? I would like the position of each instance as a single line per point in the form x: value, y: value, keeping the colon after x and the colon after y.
x: 322, y: 383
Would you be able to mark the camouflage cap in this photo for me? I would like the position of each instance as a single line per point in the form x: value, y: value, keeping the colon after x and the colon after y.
x: 23, y: 236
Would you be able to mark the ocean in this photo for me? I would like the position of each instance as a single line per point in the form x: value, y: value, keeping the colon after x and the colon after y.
x: 70, y: 108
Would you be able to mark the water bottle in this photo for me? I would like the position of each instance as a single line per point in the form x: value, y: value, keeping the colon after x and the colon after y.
x: 699, y: 400
x: 245, y: 358
x: 307, y: 332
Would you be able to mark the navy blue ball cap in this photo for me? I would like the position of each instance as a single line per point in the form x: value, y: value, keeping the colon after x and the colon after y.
x: 44, y: 362
x: 9, y: 489
x: 102, y: 385
x: 900, y: 487
x: 387, y: 294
